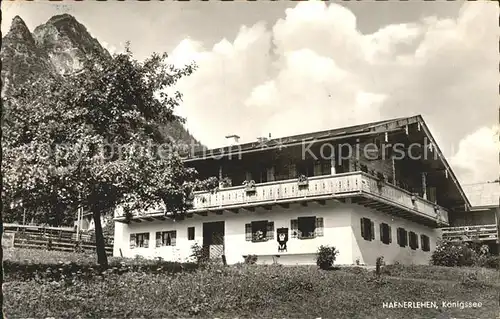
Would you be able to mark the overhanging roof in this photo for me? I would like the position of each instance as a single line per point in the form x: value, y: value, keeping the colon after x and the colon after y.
x: 483, y: 195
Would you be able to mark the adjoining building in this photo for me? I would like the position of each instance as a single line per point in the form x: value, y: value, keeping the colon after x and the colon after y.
x: 481, y: 223
x: 378, y: 189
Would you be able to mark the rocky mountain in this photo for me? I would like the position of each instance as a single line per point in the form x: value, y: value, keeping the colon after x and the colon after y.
x: 21, y: 57
x: 67, y: 43
x: 59, y: 46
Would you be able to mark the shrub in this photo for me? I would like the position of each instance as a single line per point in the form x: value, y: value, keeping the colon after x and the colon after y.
x: 452, y: 254
x: 325, y: 257
x: 197, y: 254
x: 488, y: 261
x: 251, y: 259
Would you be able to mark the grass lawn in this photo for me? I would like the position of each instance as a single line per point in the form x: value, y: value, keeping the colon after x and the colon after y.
x: 252, y: 291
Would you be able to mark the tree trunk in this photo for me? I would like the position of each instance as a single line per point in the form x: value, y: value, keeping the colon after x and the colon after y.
x: 102, y: 258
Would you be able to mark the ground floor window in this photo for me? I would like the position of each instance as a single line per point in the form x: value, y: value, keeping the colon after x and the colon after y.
x: 307, y: 227
x: 140, y: 240
x: 367, y: 229
x: 258, y: 231
x: 385, y: 233
x: 426, y: 245
x: 166, y: 238
x: 402, y: 237
x: 190, y: 233
x: 413, y: 240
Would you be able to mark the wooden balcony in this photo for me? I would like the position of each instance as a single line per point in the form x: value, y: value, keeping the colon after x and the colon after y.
x: 354, y: 187
x: 471, y: 233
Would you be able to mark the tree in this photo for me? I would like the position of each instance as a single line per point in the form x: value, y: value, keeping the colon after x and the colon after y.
x: 94, y: 139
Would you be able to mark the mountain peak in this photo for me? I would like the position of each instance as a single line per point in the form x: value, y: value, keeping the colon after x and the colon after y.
x: 18, y: 29
x: 64, y: 16
x: 68, y: 43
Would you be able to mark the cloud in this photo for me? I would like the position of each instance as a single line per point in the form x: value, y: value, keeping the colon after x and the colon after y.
x: 314, y: 70
x: 478, y: 150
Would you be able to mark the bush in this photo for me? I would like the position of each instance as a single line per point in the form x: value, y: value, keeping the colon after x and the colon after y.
x: 251, y: 259
x: 197, y: 254
x: 325, y: 257
x: 453, y: 254
x: 488, y: 261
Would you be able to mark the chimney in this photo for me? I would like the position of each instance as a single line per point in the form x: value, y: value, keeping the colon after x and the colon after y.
x: 235, y: 139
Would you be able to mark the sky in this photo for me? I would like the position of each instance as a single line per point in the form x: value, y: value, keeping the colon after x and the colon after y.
x: 285, y: 68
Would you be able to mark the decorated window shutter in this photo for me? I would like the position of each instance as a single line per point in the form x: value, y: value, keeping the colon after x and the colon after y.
x: 319, y: 227
x: 372, y: 230
x: 132, y: 241
x: 390, y: 233
x: 146, y: 240
x: 158, y: 239
x: 294, y: 226
x: 248, y: 232
x: 363, y: 228
x: 270, y: 230
x: 173, y: 237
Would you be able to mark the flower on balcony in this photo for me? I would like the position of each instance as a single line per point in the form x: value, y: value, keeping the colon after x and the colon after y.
x: 302, y: 180
x: 225, y: 182
x: 250, y: 186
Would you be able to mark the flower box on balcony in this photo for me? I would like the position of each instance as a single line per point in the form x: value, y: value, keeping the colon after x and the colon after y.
x: 302, y: 181
x: 250, y: 187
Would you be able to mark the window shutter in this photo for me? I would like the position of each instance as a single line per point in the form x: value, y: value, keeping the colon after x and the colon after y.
x: 363, y: 228
x: 146, y: 240
x: 158, y: 239
x: 390, y: 233
x: 319, y: 227
x: 398, y: 235
x: 294, y: 225
x: 132, y: 241
x: 381, y: 230
x: 270, y: 230
x: 248, y: 232
x: 372, y: 230
x: 173, y: 238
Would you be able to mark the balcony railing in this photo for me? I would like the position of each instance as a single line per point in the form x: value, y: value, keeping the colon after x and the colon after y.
x: 354, y: 185
x: 319, y: 187
x: 471, y: 233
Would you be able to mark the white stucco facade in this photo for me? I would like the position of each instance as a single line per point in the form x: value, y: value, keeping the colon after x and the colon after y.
x: 341, y: 229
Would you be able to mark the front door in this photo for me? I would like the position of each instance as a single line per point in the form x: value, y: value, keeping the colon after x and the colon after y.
x: 213, y: 239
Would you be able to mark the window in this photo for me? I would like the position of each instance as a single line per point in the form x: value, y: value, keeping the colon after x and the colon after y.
x: 307, y: 227
x: 385, y: 233
x: 367, y: 229
x: 190, y: 233
x: 139, y: 240
x: 426, y: 245
x: 402, y: 237
x: 413, y: 238
x: 166, y: 238
x: 259, y: 231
